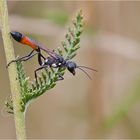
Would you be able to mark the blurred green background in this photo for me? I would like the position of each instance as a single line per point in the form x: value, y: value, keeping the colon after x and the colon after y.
x: 106, y: 106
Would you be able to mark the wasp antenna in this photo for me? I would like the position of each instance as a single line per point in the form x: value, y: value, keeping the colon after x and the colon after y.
x: 85, y: 73
x: 87, y: 68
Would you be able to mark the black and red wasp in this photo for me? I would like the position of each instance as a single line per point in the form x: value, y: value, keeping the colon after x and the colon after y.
x: 53, y: 59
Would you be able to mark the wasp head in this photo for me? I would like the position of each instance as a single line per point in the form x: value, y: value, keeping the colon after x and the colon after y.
x: 71, y: 66
x: 17, y: 36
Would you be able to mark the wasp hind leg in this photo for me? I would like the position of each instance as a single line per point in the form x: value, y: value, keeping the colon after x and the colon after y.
x: 24, y: 58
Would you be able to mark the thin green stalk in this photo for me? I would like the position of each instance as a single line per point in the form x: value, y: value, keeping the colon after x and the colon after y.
x: 14, y: 83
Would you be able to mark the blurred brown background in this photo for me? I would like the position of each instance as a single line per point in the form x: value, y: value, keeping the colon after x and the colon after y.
x: 105, y: 107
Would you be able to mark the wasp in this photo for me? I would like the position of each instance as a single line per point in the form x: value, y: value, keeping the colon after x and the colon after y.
x: 53, y: 60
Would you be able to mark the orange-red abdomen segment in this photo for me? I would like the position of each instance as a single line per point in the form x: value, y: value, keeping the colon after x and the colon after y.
x: 25, y: 40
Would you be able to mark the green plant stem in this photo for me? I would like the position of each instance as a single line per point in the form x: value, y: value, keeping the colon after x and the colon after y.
x: 14, y: 83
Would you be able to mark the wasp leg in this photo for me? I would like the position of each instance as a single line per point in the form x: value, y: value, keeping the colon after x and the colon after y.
x: 27, y: 58
x: 35, y: 72
x: 60, y: 78
x: 20, y: 59
x: 40, y: 56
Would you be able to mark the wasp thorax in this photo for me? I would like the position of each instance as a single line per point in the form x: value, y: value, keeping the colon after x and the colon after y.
x: 54, y: 65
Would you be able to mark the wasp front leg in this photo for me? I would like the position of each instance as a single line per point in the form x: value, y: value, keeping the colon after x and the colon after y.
x: 60, y: 77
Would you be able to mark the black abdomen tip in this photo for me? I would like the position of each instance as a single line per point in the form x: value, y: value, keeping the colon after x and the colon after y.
x: 16, y: 35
